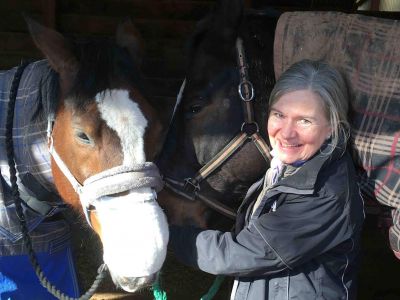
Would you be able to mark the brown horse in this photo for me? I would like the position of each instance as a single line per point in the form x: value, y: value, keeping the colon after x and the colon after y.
x: 102, y: 134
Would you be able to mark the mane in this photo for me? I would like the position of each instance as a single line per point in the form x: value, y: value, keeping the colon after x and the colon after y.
x: 102, y: 65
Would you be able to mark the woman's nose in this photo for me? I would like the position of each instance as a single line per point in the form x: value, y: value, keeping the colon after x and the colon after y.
x: 288, y: 130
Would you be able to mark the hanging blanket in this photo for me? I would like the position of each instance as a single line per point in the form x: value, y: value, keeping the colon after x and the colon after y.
x: 366, y: 50
x: 50, y: 237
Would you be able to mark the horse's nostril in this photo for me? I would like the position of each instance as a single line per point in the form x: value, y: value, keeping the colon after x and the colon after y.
x: 132, y: 284
x: 119, y: 194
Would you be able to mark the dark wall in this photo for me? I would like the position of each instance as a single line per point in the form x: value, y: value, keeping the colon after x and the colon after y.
x: 164, y: 24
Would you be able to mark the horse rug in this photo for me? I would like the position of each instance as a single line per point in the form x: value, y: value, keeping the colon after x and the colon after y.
x: 49, y: 233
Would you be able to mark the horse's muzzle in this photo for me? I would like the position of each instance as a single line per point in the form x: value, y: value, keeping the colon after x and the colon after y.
x: 133, y: 284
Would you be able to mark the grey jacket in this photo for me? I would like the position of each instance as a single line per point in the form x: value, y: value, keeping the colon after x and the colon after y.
x: 306, y: 249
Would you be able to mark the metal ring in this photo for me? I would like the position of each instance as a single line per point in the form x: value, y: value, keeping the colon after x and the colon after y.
x: 240, y: 89
x: 251, y: 123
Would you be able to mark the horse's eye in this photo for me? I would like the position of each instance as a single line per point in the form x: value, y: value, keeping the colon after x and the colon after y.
x: 83, y: 137
x: 191, y: 111
x: 194, y: 109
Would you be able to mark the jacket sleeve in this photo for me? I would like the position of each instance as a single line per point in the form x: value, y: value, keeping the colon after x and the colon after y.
x: 299, y: 230
x: 219, y: 252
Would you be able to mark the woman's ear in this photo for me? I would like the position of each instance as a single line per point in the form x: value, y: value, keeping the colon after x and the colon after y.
x: 330, y: 133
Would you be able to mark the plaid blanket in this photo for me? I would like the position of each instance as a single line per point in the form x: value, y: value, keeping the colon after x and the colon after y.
x: 32, y: 107
x: 51, y: 237
x: 366, y: 50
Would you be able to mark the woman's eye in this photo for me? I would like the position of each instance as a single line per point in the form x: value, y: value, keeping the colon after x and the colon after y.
x: 304, y: 122
x: 277, y: 115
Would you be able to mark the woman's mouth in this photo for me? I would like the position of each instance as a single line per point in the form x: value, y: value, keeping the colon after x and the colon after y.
x: 290, y: 146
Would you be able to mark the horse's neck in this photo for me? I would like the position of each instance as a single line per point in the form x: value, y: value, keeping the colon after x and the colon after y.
x: 29, y: 125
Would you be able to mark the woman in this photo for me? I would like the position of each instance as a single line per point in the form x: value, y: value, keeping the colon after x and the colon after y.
x: 298, y: 229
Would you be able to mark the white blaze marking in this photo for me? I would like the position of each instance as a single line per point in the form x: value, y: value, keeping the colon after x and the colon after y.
x: 125, y: 117
x: 134, y: 227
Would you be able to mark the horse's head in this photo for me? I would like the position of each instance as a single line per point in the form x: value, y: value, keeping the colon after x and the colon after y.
x: 211, y: 114
x: 103, y: 137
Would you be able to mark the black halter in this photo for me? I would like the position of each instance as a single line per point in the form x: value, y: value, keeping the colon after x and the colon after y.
x: 18, y: 205
x: 249, y: 130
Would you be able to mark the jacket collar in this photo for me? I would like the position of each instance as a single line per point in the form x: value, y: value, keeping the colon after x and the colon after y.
x: 302, y: 182
x: 304, y: 179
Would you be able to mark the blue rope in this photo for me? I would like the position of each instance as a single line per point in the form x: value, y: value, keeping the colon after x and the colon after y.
x: 214, y: 288
x: 158, y: 292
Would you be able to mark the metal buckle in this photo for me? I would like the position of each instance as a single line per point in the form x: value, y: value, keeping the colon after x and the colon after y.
x: 191, y: 186
x: 249, y: 86
x: 249, y: 128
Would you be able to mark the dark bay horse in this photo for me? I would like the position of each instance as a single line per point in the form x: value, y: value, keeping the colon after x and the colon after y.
x: 211, y: 114
x: 102, y: 134
x: 213, y: 110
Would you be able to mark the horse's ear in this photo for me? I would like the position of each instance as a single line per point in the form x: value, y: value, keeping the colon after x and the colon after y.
x: 128, y: 37
x: 54, y: 46
x: 226, y: 18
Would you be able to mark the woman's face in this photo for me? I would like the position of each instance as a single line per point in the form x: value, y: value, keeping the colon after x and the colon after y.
x: 297, y: 126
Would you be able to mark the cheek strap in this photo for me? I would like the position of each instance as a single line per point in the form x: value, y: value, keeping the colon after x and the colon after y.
x: 112, y: 181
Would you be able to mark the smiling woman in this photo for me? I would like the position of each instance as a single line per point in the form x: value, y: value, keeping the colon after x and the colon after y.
x: 327, y: 106
x: 298, y: 230
x: 297, y: 126
x: 308, y: 106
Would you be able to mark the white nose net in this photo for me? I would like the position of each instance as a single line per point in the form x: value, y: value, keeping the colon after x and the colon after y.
x: 134, y: 233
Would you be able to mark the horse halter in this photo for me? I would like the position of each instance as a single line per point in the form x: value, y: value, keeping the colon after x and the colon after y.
x: 249, y: 130
x: 112, y: 181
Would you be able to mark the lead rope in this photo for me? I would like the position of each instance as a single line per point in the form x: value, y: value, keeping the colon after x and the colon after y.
x: 18, y: 206
x: 158, y: 292
x: 219, y: 279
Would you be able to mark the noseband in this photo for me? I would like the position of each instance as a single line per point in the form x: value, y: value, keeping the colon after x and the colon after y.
x: 109, y: 182
x: 249, y: 131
